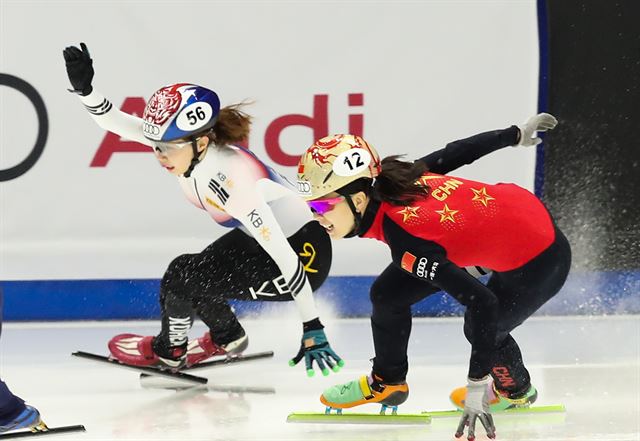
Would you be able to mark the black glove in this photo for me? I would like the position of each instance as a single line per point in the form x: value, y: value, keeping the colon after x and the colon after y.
x: 79, y: 69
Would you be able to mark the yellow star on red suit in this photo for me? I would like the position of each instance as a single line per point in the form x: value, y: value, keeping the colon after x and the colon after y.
x: 424, y: 180
x: 482, y: 196
x: 446, y: 214
x: 408, y: 212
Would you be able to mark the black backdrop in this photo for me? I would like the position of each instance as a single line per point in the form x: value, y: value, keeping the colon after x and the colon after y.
x: 592, y: 159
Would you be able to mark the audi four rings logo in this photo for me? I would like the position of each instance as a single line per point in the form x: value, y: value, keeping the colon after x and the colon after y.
x: 304, y: 187
x: 422, y: 266
x: 43, y: 126
x: 150, y: 129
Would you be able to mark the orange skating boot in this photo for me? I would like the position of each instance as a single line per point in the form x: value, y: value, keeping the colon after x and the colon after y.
x: 498, y: 400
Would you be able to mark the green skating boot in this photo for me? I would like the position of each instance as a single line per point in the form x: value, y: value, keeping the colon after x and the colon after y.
x: 357, y: 392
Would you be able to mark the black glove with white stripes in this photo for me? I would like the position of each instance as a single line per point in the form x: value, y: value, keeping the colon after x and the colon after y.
x: 79, y: 69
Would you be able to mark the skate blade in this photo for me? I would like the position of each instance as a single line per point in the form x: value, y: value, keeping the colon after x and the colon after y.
x: 551, y: 408
x: 242, y: 358
x: 181, y: 376
x: 41, y: 430
x: 152, y: 382
x: 359, y: 418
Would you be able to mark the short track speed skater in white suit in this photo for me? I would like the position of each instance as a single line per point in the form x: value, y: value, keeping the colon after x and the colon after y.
x: 274, y: 251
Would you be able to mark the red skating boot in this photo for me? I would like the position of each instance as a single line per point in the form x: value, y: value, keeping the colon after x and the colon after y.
x: 137, y: 350
x: 204, y: 348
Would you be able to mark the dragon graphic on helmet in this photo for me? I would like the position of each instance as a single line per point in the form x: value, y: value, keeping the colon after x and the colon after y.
x: 333, y: 162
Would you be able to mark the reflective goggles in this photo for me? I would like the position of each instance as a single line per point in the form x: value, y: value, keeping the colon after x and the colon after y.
x: 322, y: 206
x: 166, y: 147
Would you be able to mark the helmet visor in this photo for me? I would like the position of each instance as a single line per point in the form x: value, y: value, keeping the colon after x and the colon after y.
x: 322, y: 206
x: 166, y: 147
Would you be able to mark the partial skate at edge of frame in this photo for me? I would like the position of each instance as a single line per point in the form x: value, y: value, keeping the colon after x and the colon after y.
x: 41, y: 431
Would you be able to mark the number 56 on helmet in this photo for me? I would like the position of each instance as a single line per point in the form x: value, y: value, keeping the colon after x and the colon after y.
x: 179, y: 111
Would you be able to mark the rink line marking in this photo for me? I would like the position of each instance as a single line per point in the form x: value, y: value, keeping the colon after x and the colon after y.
x: 620, y: 364
x: 279, y: 322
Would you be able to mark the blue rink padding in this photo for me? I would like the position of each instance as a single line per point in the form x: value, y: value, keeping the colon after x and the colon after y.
x: 615, y: 292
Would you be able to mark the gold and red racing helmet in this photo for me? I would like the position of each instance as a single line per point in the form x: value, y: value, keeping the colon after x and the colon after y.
x: 333, y: 162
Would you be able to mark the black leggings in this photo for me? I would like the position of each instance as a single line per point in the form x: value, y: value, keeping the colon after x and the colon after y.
x: 520, y: 293
x: 233, y: 267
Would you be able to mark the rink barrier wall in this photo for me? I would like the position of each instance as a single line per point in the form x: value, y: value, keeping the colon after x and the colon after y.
x: 614, y: 292
x: 543, y: 89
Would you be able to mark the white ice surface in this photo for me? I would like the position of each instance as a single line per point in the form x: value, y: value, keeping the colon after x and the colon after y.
x: 589, y: 364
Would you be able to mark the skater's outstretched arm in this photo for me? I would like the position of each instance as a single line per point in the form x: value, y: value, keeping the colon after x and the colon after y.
x: 80, y: 71
x: 249, y: 206
x: 465, y: 151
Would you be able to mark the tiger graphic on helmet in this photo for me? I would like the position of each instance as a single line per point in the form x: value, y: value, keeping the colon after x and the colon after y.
x: 179, y: 111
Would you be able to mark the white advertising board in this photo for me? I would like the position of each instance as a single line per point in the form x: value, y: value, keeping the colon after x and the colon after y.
x: 409, y: 76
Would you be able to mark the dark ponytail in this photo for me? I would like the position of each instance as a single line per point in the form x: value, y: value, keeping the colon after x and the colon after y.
x: 232, y: 126
x: 398, y: 183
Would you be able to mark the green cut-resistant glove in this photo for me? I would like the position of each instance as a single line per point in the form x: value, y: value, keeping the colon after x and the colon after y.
x: 315, y: 347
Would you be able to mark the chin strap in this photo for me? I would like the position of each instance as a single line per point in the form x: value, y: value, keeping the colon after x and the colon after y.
x: 195, y: 160
x: 356, y: 215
